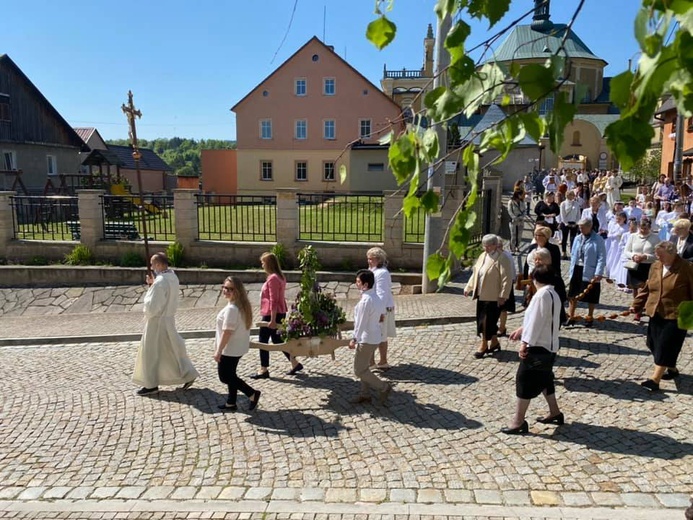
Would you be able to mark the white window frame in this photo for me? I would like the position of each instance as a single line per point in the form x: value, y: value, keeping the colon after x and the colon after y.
x: 300, y: 87
x: 325, y: 124
x: 301, y: 124
x: 324, y: 86
x: 265, y: 124
x: 263, y: 163
x: 325, y: 177
x: 51, y: 164
x: 12, y: 160
x: 304, y: 164
x: 370, y: 128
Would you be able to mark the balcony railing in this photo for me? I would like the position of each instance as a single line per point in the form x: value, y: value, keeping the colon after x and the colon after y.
x: 404, y: 73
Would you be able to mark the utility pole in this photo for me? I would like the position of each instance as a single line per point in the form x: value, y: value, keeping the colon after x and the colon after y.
x: 131, y: 113
x: 435, y: 227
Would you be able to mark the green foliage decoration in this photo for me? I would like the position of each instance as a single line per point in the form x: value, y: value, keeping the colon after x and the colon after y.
x: 80, y: 255
x: 664, y: 31
x: 314, y: 313
x: 132, y: 259
x: 175, y: 253
x: 279, y: 250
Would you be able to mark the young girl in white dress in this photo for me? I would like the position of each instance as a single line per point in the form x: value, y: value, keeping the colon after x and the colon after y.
x: 618, y: 272
x: 617, y: 227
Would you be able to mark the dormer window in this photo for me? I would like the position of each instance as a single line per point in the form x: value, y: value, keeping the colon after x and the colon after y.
x: 5, y: 115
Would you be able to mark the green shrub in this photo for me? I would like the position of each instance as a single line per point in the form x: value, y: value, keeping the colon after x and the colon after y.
x: 174, y: 252
x: 132, y: 259
x: 80, y: 255
x: 281, y: 253
x: 38, y: 260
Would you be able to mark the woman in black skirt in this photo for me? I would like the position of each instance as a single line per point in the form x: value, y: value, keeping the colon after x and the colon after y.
x: 670, y: 282
x: 539, y: 336
x: 638, y: 255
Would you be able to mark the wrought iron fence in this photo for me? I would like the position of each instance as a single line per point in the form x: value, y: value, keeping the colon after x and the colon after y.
x: 43, y: 217
x: 241, y: 218
x: 345, y: 217
x: 415, y: 227
x: 122, y: 217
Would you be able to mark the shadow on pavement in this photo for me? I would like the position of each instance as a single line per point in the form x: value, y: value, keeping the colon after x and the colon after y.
x: 619, y: 440
x: 510, y: 356
x: 294, y: 423
x: 684, y: 384
x: 205, y: 400
x: 401, y: 406
x: 596, y: 347
x: 615, y: 388
x: 415, y: 373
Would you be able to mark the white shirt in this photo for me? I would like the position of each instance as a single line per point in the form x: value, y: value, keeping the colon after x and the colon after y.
x: 229, y: 318
x: 536, y: 326
x: 383, y: 286
x: 367, y: 315
x: 570, y: 211
x: 633, y: 212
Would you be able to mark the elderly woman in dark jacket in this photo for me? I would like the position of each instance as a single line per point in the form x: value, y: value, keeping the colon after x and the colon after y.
x: 669, y: 283
x: 682, y: 238
x: 542, y: 235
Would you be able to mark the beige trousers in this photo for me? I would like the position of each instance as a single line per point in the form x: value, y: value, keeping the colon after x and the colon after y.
x: 362, y: 360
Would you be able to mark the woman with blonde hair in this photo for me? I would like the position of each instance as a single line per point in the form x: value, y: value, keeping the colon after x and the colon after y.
x: 232, y: 341
x: 682, y: 238
x: 273, y: 311
x: 377, y: 264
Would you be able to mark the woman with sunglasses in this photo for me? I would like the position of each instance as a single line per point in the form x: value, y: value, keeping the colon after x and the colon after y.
x: 233, y: 341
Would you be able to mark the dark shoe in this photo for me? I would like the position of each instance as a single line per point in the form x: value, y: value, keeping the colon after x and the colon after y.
x: 494, y: 348
x: 501, y: 333
x: 253, y: 402
x: 589, y: 323
x: 361, y: 399
x: 523, y: 428
x: 480, y: 353
x: 187, y: 385
x: 260, y: 375
x: 672, y: 373
x: 228, y: 407
x: 650, y: 385
x: 558, y: 419
x: 147, y: 391
x: 569, y: 323
x: 295, y: 370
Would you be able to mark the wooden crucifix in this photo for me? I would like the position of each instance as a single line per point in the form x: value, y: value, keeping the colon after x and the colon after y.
x: 131, y: 113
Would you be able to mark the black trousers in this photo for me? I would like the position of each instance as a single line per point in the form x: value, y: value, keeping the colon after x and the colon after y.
x: 265, y: 335
x: 566, y: 230
x: 227, y: 374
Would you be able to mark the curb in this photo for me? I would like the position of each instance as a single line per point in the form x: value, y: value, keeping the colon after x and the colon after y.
x: 197, y: 334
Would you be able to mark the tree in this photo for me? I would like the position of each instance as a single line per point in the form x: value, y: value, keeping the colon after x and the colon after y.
x: 647, y: 168
x: 665, y: 65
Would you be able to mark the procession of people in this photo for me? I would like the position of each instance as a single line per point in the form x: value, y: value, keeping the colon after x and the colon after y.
x: 603, y: 238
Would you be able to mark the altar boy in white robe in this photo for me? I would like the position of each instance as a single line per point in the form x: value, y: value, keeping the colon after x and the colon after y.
x: 162, y: 358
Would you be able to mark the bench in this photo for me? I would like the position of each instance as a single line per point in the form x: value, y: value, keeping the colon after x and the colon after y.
x: 111, y: 230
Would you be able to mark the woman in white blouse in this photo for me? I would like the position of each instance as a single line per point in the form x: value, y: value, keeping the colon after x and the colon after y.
x: 539, y: 336
x: 639, y: 255
x: 570, y: 214
x: 377, y: 263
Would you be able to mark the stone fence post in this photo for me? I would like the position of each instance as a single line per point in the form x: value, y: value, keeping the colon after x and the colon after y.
x: 89, y: 203
x: 287, y: 219
x: 6, y: 220
x: 185, y: 208
x: 393, y: 223
x: 494, y: 183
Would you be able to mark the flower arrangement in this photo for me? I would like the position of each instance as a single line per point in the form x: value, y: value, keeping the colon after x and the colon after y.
x: 314, y: 313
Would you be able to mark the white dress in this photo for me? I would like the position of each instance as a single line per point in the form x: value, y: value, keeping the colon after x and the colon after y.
x: 162, y: 358
x: 614, y: 247
x: 613, y: 189
x: 617, y: 271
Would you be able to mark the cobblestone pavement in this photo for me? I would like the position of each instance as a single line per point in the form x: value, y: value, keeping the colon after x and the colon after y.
x: 75, y: 442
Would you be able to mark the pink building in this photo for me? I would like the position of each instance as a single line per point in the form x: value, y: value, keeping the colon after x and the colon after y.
x: 311, y: 116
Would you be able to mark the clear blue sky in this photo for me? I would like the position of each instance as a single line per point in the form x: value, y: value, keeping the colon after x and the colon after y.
x: 187, y: 62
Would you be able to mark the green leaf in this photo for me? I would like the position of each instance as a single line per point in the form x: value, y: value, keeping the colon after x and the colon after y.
x: 629, y: 138
x: 402, y: 157
x: 446, y: 105
x: 462, y: 66
x: 536, y: 81
x: 380, y: 32
x: 534, y: 124
x: 435, y: 265
x: 685, y: 318
x: 459, y: 234
x: 457, y: 35
x: 410, y: 203
x: 430, y: 144
x: 621, y: 89
x: 447, y: 272
x: 493, y: 10
x: 342, y: 174
x: 471, y: 220
x: 562, y: 114
x: 430, y: 201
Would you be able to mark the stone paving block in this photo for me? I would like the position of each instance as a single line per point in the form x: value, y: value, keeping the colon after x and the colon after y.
x: 208, y: 492
x: 516, y: 498
x: 340, y: 495
x: 545, y: 498
x: 258, y: 493
x: 607, y: 499
x: 286, y: 494
x: 130, y: 492
x: 158, y: 492
x: 56, y: 492
x: 458, y: 496
x: 576, y: 499
x: 403, y: 495
x: 10, y: 492
x: 312, y: 494
x: 639, y: 500
x: 32, y: 493
x: 681, y: 500
x: 80, y: 493
x: 372, y: 495
x: 429, y: 496
x: 488, y: 496
x: 184, y: 493
x: 232, y: 493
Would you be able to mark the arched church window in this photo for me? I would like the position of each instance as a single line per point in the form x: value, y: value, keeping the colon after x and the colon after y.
x: 576, y: 138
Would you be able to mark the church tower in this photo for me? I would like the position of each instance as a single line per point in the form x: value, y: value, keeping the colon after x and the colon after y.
x: 429, y: 44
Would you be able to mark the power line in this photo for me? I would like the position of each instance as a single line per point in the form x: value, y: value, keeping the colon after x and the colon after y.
x: 291, y: 21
